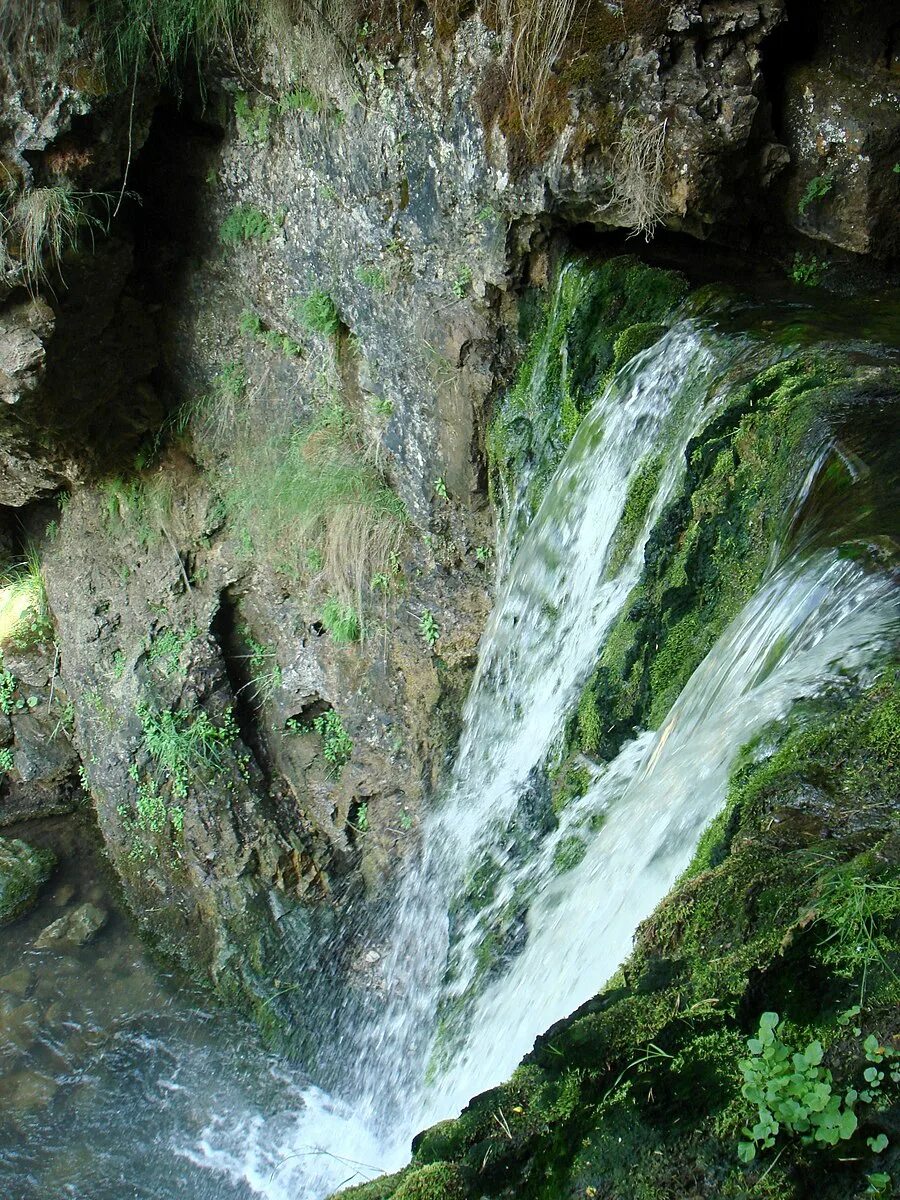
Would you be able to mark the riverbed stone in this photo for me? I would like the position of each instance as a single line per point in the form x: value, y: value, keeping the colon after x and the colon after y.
x: 75, y: 928
x: 23, y: 871
x: 17, y: 982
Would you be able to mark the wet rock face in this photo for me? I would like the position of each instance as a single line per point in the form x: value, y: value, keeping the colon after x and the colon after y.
x: 841, y: 123
x: 23, y: 871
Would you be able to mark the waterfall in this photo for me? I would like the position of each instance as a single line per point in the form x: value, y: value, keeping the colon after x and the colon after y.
x: 438, y: 1032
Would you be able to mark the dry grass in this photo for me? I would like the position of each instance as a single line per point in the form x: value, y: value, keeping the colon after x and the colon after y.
x: 638, y: 166
x: 311, y: 499
x: 539, y: 31
x: 41, y: 224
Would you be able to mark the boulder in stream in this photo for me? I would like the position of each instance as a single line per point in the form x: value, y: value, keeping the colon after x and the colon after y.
x: 76, y: 928
x: 23, y: 870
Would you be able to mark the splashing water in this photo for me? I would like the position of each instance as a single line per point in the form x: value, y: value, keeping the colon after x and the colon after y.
x: 558, y: 601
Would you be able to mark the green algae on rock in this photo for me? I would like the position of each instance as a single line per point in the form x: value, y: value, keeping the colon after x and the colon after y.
x: 23, y: 871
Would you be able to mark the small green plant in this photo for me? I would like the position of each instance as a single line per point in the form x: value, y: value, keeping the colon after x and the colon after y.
x: 6, y: 761
x: 428, y: 627
x: 383, y: 407
x: 246, y: 223
x: 252, y: 119
x: 317, y: 312
x: 151, y: 815
x: 362, y: 818
x: 342, y: 622
x: 185, y: 745
x: 808, y: 271
x: 818, y: 186
x: 265, y: 673
x: 337, y: 745
x: 8, y: 685
x: 440, y: 489
x: 165, y: 650
x: 879, y: 1185
x: 372, y: 277
x: 483, y: 554
x: 379, y: 582
x: 250, y: 323
x: 462, y: 282
x: 487, y: 214
x: 300, y: 100
x: 792, y: 1092
x: 315, y: 560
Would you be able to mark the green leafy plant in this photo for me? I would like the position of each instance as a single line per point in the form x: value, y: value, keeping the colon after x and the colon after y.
x: 8, y: 686
x: 362, y: 818
x: 317, y: 312
x: 185, y: 745
x: 342, y: 622
x: 483, y: 554
x: 818, y: 186
x: 792, y: 1092
x: 462, y: 282
x: 300, y: 100
x: 440, y: 489
x: 383, y: 407
x: 808, y: 271
x: 337, y: 745
x: 6, y: 761
x: 165, y: 650
x: 246, y: 223
x: 372, y: 277
x: 428, y: 627
x: 252, y: 119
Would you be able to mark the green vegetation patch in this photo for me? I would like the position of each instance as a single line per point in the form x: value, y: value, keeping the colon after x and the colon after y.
x: 598, y: 318
x: 23, y: 871
x: 314, y: 490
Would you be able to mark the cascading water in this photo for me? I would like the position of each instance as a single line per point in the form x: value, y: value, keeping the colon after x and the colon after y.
x: 410, y: 1063
x: 440, y: 1028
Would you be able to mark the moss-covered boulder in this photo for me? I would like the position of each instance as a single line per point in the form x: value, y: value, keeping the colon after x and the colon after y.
x: 23, y: 870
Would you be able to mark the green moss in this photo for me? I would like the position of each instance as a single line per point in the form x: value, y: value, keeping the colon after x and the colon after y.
x: 437, y: 1181
x: 707, y: 553
x: 597, y: 319
x: 569, y: 853
x: 639, y: 497
x: 23, y: 871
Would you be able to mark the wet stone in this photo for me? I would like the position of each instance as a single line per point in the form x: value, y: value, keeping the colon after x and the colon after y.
x: 76, y: 928
x: 17, y: 982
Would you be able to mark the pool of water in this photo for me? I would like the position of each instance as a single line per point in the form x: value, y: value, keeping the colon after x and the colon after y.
x: 116, y: 1079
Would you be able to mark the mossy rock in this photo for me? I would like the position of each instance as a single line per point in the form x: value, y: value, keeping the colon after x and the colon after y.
x: 597, y: 319
x: 436, y: 1181
x: 23, y: 871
